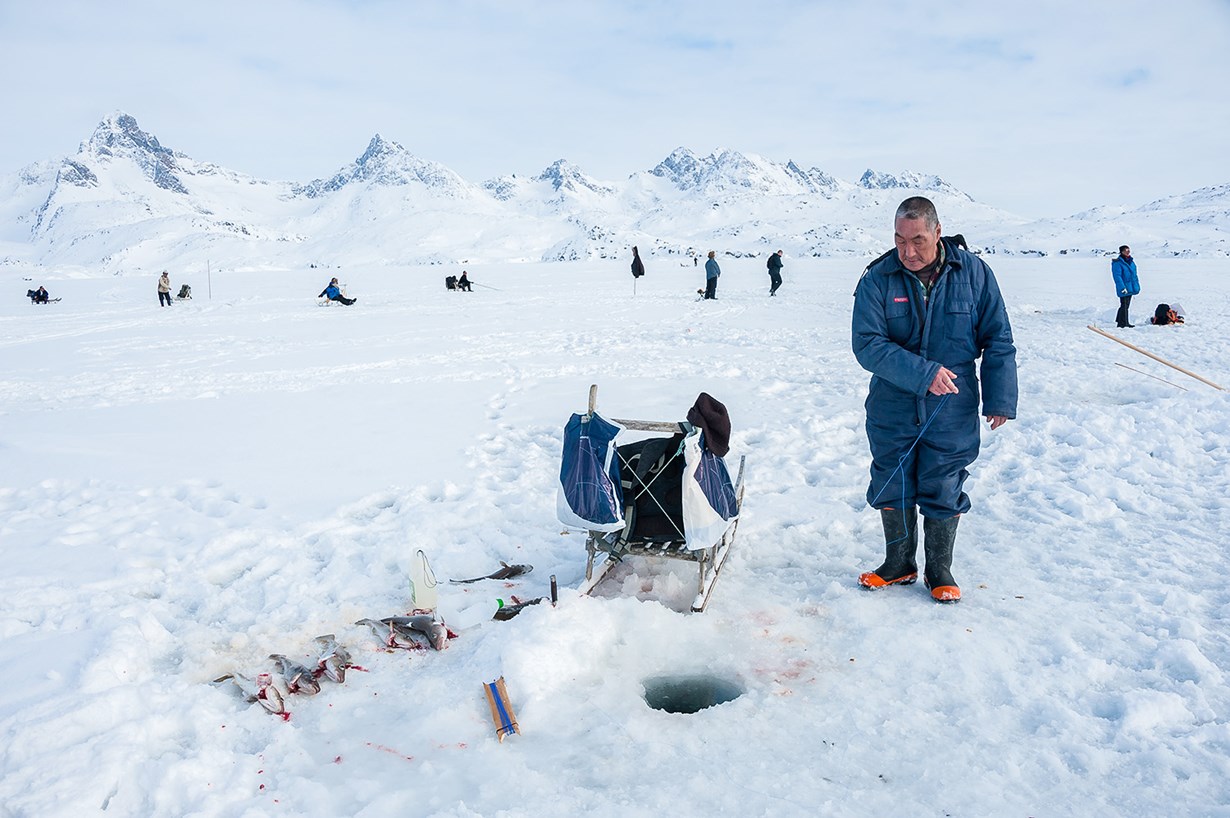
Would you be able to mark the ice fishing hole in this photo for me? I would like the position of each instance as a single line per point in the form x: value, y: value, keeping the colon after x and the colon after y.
x: 689, y: 694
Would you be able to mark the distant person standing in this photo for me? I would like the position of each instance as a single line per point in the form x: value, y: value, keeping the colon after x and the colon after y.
x: 1123, y: 268
x: 775, y: 272
x: 164, y: 290
x: 712, y: 271
x: 638, y: 266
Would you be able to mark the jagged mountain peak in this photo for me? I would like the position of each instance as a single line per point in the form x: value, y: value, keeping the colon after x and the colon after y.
x: 730, y: 172
x: 686, y: 165
x: 563, y: 175
x: 908, y: 180
x: 380, y: 148
x: 120, y: 131
x: 119, y: 136
x: 386, y: 163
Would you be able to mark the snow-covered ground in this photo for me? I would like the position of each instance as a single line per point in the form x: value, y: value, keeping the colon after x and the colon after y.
x: 187, y: 490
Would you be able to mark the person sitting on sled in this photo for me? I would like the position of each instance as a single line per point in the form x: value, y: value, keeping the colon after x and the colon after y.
x: 39, y: 296
x: 333, y: 292
x: 463, y: 283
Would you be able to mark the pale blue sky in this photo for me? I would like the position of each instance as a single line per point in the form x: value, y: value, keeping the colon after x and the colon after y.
x: 1041, y: 108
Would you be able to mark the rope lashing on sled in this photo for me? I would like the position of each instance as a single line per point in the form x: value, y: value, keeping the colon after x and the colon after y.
x: 901, y: 468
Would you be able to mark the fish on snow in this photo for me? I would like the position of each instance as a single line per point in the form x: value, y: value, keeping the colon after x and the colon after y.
x: 507, y: 572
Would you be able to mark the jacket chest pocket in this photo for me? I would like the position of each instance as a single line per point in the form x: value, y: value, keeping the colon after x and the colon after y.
x: 958, y: 304
x: 959, y: 327
x: 900, y: 319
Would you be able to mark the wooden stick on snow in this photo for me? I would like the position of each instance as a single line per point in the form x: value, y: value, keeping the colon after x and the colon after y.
x: 1157, y: 358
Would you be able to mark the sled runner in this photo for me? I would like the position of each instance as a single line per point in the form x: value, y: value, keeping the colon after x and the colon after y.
x: 668, y: 495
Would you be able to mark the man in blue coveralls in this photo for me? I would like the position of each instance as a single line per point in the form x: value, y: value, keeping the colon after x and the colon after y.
x: 923, y: 314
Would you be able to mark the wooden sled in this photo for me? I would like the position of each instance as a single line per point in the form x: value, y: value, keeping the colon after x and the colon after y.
x: 709, y: 561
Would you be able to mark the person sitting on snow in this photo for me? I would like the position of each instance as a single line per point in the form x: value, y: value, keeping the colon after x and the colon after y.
x: 463, y: 283
x: 38, y: 296
x: 333, y: 292
x: 1165, y: 314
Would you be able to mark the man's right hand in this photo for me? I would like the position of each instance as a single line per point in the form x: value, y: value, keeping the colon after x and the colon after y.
x: 944, y: 382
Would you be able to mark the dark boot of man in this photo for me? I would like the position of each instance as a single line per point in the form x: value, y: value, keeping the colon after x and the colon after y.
x: 900, y: 548
x: 937, y: 546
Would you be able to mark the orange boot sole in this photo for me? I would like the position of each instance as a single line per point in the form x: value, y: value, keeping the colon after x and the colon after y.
x: 874, y: 581
x: 945, y: 593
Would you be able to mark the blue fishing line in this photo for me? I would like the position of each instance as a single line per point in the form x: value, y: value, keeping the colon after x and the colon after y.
x: 901, y: 468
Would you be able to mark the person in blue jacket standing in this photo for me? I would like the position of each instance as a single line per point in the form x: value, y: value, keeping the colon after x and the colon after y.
x: 923, y: 314
x: 712, y: 271
x: 1123, y: 268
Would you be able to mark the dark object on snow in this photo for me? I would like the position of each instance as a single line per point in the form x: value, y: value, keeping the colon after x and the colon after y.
x: 710, y: 415
x: 507, y: 612
x: 38, y: 296
x: 1165, y: 315
x: 638, y: 266
x: 450, y: 282
x: 463, y: 283
x: 185, y: 292
x: 507, y: 572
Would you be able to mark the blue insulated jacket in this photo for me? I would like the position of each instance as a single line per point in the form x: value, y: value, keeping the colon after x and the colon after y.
x: 903, y: 336
x: 331, y: 292
x: 1124, y: 271
x: 711, y: 269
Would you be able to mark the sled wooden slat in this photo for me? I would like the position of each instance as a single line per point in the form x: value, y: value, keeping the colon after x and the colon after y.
x: 649, y: 425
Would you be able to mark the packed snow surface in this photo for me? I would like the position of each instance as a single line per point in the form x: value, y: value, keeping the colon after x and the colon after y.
x: 187, y: 490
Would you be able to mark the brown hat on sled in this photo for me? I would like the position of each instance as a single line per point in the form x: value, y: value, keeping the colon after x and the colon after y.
x: 710, y: 415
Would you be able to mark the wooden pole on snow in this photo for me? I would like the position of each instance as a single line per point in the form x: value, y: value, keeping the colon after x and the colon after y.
x: 1157, y: 358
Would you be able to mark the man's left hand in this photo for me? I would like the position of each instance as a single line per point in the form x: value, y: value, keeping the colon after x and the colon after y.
x: 996, y: 421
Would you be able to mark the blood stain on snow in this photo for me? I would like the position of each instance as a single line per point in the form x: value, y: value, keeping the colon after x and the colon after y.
x: 389, y: 750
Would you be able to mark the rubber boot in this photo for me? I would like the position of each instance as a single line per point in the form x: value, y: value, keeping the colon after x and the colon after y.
x: 900, y: 548
x: 937, y: 546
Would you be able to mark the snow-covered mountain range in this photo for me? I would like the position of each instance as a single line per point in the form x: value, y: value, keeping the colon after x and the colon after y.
x: 127, y: 202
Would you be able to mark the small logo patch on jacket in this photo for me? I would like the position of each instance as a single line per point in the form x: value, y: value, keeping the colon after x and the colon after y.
x: 900, y: 299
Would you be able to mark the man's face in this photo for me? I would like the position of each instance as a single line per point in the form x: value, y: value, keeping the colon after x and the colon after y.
x: 916, y: 245
x: 1126, y: 252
